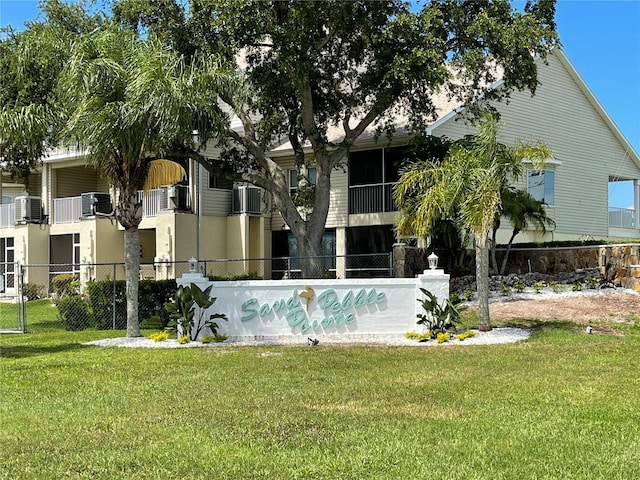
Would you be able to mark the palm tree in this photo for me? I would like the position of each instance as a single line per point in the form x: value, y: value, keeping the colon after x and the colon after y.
x: 127, y: 101
x: 521, y: 210
x: 469, y: 181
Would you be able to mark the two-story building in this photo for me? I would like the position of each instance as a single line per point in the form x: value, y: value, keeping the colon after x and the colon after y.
x: 65, y: 215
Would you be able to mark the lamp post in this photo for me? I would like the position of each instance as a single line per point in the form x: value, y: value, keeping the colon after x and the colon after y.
x: 433, y: 261
x: 193, y: 265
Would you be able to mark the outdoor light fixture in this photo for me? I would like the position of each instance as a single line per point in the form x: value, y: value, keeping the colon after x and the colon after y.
x: 433, y: 261
x: 193, y: 265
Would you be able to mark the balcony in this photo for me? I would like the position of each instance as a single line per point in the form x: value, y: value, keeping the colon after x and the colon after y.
x: 67, y: 210
x: 620, y: 217
x: 374, y: 198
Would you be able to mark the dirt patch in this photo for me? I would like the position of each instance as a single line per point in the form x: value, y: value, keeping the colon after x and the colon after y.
x: 616, y: 307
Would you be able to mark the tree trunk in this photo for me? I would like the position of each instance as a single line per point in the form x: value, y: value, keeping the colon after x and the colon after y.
x: 482, y: 282
x: 132, y: 274
x: 503, y: 268
x: 492, y: 250
x: 312, y: 263
x: 129, y: 215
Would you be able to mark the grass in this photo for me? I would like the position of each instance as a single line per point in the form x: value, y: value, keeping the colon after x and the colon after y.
x: 561, y: 405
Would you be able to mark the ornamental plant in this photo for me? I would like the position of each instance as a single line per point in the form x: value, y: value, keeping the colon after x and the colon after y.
x: 438, y: 318
x: 183, y: 312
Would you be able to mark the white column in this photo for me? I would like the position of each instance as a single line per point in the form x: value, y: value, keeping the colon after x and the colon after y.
x: 636, y: 203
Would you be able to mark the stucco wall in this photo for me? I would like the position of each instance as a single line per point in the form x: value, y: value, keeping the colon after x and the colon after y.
x: 319, y: 307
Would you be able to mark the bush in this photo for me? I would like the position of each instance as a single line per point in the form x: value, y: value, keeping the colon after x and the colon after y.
x: 65, y: 284
x: 73, y: 312
x: 101, y: 298
x: 33, y: 291
x: 152, y: 296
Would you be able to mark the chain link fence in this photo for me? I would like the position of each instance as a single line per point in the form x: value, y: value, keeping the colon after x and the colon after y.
x: 94, y: 295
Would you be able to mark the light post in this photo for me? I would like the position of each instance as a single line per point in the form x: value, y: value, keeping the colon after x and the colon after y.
x: 433, y: 261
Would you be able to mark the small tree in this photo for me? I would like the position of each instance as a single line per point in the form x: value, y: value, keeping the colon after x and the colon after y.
x: 467, y: 183
x: 521, y: 210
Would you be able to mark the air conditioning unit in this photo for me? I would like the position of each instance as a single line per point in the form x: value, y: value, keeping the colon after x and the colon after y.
x: 246, y: 199
x: 175, y: 197
x: 96, y: 203
x: 28, y: 209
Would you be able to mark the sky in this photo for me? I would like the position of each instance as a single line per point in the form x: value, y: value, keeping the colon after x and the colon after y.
x: 600, y: 37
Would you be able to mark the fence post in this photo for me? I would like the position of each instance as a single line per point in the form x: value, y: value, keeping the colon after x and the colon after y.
x: 23, y: 309
x: 113, y: 298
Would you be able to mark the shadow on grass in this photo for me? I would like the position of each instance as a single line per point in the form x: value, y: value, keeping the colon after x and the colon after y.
x: 25, y: 351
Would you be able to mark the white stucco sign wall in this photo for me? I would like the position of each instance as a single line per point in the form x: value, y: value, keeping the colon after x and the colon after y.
x: 265, y: 308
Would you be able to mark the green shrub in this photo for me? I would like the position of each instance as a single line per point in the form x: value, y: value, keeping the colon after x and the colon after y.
x: 73, y: 312
x: 64, y: 285
x: 593, y: 282
x: 519, y: 286
x: 101, y: 298
x: 152, y: 323
x: 32, y: 291
x: 469, y: 294
x: 152, y: 297
x: 577, y: 286
x: 505, y: 290
x: 538, y: 286
x: 228, y: 277
x: 555, y: 286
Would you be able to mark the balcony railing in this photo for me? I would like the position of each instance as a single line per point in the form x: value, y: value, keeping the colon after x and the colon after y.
x: 375, y: 198
x: 151, y: 202
x: 7, y: 215
x: 621, y: 217
x: 67, y: 210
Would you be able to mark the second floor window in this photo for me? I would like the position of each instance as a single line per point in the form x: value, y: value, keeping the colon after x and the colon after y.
x: 541, y: 185
x: 219, y: 182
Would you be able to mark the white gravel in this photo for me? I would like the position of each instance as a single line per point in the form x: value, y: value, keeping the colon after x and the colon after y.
x: 497, y: 335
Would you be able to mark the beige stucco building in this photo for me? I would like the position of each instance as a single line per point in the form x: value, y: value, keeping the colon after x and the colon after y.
x: 65, y: 215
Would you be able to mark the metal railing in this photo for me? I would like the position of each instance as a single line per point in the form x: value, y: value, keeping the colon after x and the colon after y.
x: 374, y: 198
x: 621, y: 217
x: 67, y: 210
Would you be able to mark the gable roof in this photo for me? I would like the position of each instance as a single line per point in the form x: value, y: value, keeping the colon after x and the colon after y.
x: 447, y: 109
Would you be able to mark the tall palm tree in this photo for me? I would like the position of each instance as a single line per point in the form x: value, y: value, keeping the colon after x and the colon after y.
x: 128, y: 101
x: 469, y: 181
x: 521, y: 210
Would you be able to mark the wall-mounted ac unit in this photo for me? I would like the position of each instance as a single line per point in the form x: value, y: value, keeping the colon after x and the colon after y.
x: 28, y: 209
x: 246, y: 199
x: 175, y: 197
x: 96, y: 203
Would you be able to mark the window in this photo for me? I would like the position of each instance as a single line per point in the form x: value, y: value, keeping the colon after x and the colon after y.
x: 312, y: 174
x: 221, y: 183
x: 541, y: 185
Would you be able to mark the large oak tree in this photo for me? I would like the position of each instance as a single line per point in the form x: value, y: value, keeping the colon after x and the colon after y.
x: 317, y: 75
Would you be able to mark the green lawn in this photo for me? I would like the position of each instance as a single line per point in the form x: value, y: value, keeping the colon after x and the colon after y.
x: 563, y: 405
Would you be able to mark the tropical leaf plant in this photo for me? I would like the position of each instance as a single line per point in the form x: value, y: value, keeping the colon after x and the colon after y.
x: 439, y: 316
x: 188, y: 311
